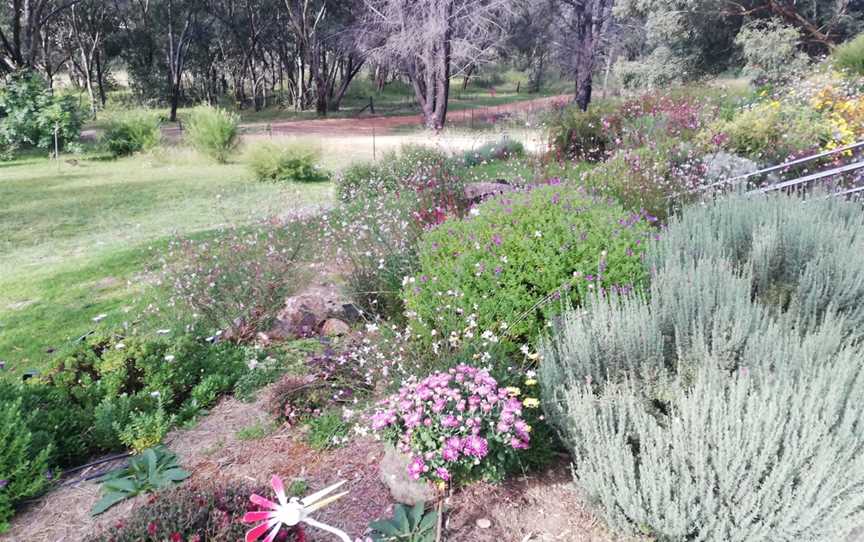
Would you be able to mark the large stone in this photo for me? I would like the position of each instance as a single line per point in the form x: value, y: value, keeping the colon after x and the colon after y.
x: 305, y: 314
x: 334, y: 327
x: 394, y: 475
x: 477, y: 192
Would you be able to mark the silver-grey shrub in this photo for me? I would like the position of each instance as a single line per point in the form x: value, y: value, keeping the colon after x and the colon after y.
x: 725, y: 404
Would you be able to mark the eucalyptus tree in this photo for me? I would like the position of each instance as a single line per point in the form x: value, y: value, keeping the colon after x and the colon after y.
x: 431, y: 41
x: 23, y: 31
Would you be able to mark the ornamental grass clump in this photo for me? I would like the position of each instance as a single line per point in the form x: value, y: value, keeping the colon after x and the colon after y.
x: 506, y: 266
x: 721, y: 404
x: 457, y: 425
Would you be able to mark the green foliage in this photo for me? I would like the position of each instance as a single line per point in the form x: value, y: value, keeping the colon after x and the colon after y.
x: 579, y: 135
x: 110, y: 391
x: 270, y: 162
x: 493, y: 150
x: 772, y: 131
x: 155, y: 469
x: 213, y: 132
x: 131, y: 133
x: 144, y: 429
x: 413, y: 524
x: 849, y: 56
x: 29, y: 112
x: 256, y: 431
x: 770, y: 51
x: 661, y: 68
x: 328, y: 430
x: 735, y: 377
x: 288, y: 357
x: 508, y: 267
x: 647, y: 177
x: 23, y: 468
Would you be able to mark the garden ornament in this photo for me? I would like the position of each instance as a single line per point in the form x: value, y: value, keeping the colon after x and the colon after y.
x: 290, y: 512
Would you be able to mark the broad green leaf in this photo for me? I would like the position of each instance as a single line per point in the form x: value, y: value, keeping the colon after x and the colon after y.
x: 400, y: 518
x: 176, y: 474
x: 417, y: 514
x: 429, y: 521
x: 121, y: 484
x: 385, y: 527
x: 107, y: 501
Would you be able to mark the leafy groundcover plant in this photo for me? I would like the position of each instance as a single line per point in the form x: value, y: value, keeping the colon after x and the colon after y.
x: 723, y: 407
x: 506, y: 266
x: 155, y: 469
x: 456, y: 425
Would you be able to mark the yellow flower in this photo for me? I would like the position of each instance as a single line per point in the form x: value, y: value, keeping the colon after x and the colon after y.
x: 531, y: 402
x: 513, y: 391
x: 531, y: 382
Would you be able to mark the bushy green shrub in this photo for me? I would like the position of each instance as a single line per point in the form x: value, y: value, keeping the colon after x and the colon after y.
x: 213, y: 132
x: 772, y: 132
x: 493, y: 150
x: 385, y: 208
x: 131, y: 133
x: 720, y: 406
x: 108, y: 391
x: 23, y: 467
x: 30, y: 111
x: 508, y: 266
x: 661, y: 68
x: 579, y: 135
x: 647, y: 178
x: 408, y: 168
x: 285, y: 163
x: 850, y: 55
x: 770, y: 50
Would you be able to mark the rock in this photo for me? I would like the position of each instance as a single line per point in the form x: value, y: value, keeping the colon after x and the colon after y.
x: 334, y: 327
x: 394, y: 475
x: 304, y: 314
x: 477, y: 192
x: 483, y: 523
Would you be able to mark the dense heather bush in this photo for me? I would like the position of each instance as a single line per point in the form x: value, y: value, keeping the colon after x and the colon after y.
x: 237, y: 280
x: 579, y: 135
x: 270, y: 162
x: 191, y: 513
x: 29, y: 112
x: 385, y: 208
x: 213, y: 131
x: 770, y: 51
x: 772, y: 132
x: 647, y: 178
x: 849, y: 56
x: 493, y: 150
x: 23, y: 467
x: 718, y: 407
x: 493, y: 271
x: 131, y: 133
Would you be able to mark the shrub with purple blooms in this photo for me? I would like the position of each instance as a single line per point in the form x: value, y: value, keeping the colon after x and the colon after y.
x: 457, y: 425
x: 510, y: 263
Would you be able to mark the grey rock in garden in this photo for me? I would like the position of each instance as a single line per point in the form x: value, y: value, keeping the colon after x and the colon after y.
x: 305, y: 314
x: 723, y: 165
x: 477, y: 192
x: 394, y: 475
x: 334, y: 327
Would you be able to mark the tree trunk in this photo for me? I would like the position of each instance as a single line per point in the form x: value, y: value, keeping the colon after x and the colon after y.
x: 100, y: 79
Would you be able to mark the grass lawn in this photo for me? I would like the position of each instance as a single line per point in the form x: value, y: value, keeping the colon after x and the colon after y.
x: 79, y: 239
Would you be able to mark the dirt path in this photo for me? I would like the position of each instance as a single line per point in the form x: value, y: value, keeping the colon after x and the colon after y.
x: 381, y: 124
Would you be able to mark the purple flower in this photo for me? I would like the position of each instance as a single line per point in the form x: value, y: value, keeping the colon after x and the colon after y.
x: 417, y: 467
x: 443, y: 473
x: 476, y: 446
x: 449, y: 421
x: 3, y: 483
x: 518, y: 444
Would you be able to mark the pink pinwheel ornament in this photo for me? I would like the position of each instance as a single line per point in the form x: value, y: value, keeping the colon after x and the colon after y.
x: 289, y: 512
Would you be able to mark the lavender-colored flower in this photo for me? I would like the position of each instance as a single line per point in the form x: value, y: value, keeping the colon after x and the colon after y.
x: 476, y: 446
x: 3, y: 483
x: 416, y: 468
x: 443, y: 473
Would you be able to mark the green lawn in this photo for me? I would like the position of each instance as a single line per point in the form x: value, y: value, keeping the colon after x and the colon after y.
x: 82, y: 239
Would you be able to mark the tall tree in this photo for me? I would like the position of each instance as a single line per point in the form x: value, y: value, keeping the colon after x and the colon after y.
x: 583, y: 25
x: 22, y: 23
x: 431, y: 41
x: 88, y: 23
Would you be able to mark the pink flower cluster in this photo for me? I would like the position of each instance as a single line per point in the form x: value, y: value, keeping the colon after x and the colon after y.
x: 450, y: 422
